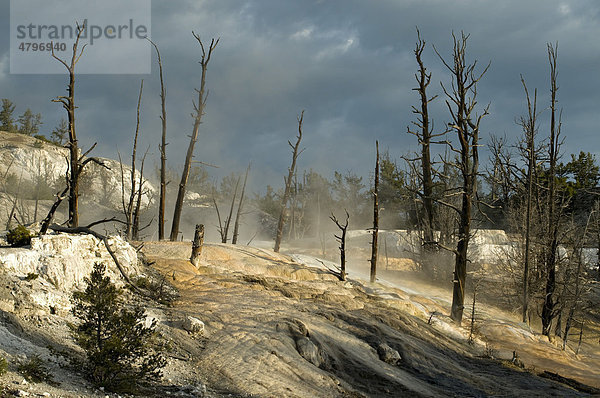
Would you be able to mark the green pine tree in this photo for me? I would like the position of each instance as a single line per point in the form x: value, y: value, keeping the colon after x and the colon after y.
x: 30, y: 122
x: 60, y: 134
x: 121, y: 351
x: 7, y: 122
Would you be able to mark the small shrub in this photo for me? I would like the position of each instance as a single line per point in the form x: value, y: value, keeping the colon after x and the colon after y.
x: 120, y: 350
x: 31, y: 276
x: 42, y: 137
x: 158, y: 288
x: 19, y: 236
x: 490, y: 351
x: 3, y: 365
x: 6, y: 392
x: 35, y: 371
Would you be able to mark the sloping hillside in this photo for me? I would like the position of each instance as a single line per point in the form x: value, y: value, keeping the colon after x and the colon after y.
x: 276, y: 328
x: 251, y: 322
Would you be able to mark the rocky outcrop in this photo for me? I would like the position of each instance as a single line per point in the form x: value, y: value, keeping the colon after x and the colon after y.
x: 37, y: 168
x: 64, y: 260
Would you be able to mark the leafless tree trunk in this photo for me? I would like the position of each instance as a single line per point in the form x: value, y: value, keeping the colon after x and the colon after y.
x: 548, y: 310
x: 228, y: 220
x: 68, y: 103
x: 236, y: 227
x: 473, y: 304
x: 128, y: 207
x: 374, y: 245
x: 197, y: 244
x: 46, y: 222
x: 461, y: 102
x: 135, y: 229
x: 76, y: 162
x: 288, y: 183
x: 579, y: 279
x: 530, y: 129
x: 199, y: 112
x: 424, y: 136
x: 342, y: 240
x: 220, y: 227
x: 294, y: 203
x: 162, y: 148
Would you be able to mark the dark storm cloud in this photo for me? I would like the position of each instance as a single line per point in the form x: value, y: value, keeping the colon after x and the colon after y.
x: 349, y: 64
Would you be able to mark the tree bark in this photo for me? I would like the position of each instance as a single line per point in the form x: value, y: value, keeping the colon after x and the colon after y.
x: 199, y: 112
x: 288, y: 184
x: 374, y: 245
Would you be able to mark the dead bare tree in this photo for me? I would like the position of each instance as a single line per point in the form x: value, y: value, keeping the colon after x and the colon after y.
x: 198, y: 113
x: 135, y: 228
x: 288, y: 183
x: 342, y: 241
x: 425, y: 135
x: 528, y: 124
x: 236, y: 227
x: 228, y: 220
x: 548, y: 310
x: 374, y: 244
x: 77, y: 162
x: 220, y: 226
x: 579, y: 282
x: 162, y: 148
x: 128, y: 207
x: 461, y: 102
x: 472, y: 327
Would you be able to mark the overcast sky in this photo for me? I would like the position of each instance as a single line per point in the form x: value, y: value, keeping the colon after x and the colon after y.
x: 348, y: 63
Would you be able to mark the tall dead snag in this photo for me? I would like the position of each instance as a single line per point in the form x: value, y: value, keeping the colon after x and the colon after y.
x: 197, y: 244
x: 135, y: 228
x: 576, y: 300
x: 342, y: 240
x: 461, y: 102
x: 128, y: 207
x: 424, y: 135
x: 199, y: 112
x: 529, y: 129
x: 228, y: 220
x: 548, y: 310
x: 162, y: 148
x: 220, y: 226
x: 375, y: 218
x: 236, y: 227
x: 288, y: 183
x: 76, y: 162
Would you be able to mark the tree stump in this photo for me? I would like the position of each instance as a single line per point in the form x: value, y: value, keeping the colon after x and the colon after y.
x: 197, y: 244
